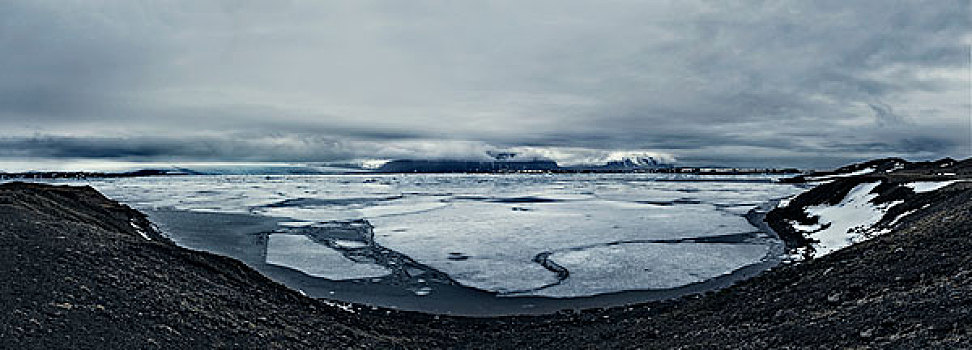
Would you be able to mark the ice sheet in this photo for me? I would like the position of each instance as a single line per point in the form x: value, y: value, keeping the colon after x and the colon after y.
x: 606, y: 269
x: 504, y: 239
x: 301, y: 253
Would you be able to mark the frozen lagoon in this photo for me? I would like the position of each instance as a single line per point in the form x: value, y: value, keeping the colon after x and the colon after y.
x: 509, y: 236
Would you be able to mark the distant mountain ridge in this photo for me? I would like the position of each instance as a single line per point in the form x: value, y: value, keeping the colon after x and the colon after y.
x: 511, y: 161
x: 627, y: 163
x: 461, y: 166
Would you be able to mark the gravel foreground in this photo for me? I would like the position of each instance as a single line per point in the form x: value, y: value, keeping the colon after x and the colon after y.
x: 82, y: 271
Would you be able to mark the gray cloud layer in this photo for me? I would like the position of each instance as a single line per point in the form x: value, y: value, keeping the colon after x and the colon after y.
x: 763, y: 83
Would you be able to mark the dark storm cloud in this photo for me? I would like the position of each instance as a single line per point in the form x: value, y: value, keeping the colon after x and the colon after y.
x: 237, y: 147
x: 789, y: 82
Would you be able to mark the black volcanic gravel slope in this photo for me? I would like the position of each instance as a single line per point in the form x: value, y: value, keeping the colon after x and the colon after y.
x: 77, y: 274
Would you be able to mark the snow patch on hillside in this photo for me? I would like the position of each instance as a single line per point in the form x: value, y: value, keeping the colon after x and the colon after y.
x: 848, y: 222
x: 928, y: 186
x: 864, y: 171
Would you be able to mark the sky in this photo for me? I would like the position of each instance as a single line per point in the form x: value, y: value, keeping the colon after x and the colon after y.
x: 747, y: 83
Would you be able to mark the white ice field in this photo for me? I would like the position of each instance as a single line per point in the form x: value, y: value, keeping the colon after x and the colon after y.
x: 606, y: 230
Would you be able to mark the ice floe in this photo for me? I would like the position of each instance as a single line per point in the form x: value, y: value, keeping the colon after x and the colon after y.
x: 301, y: 253
x: 349, y: 244
x: 502, y: 243
x: 605, y: 269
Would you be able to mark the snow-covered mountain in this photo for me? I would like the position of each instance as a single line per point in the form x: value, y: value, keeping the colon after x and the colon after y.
x: 636, y: 163
x: 627, y: 162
